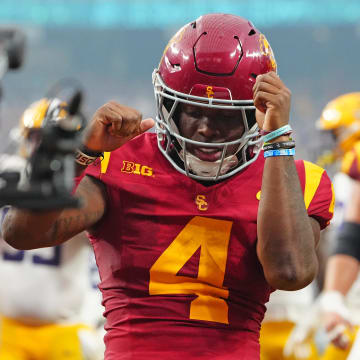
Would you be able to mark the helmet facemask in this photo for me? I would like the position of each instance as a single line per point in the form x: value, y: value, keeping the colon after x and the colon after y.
x: 170, y: 140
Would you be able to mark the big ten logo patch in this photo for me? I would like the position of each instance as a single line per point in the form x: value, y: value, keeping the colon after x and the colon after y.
x: 137, y: 169
x: 201, y: 202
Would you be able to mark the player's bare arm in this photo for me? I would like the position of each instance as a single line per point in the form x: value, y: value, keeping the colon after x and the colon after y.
x: 287, y: 237
x: 111, y: 127
x: 25, y: 229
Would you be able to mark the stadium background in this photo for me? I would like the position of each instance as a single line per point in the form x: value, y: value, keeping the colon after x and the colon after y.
x: 112, y: 47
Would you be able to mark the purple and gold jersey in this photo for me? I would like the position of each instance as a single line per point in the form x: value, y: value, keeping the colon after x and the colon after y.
x: 179, y: 272
x: 351, y: 162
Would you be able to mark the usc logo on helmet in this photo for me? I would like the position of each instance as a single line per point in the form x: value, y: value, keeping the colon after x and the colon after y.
x: 209, y: 91
x: 138, y: 169
x: 176, y: 38
x: 266, y: 50
x: 201, y: 202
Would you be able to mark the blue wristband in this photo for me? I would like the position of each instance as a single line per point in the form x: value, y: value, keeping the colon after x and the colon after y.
x: 278, y: 132
x: 280, y: 152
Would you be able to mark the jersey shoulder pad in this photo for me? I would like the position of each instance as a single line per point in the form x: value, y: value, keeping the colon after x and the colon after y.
x: 318, y: 191
x: 350, y: 164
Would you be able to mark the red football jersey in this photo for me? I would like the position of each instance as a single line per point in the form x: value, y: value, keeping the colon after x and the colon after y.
x: 351, y: 162
x: 179, y: 272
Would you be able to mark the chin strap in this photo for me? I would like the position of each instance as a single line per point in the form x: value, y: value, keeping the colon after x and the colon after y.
x: 209, y: 168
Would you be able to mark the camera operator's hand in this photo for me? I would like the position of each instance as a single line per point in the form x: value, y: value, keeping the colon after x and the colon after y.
x: 272, y: 100
x: 113, y: 125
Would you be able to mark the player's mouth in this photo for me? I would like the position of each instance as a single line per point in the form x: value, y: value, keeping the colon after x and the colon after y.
x: 207, y: 153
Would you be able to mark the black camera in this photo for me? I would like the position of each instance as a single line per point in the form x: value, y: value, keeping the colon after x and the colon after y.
x: 47, y: 179
x: 12, y: 49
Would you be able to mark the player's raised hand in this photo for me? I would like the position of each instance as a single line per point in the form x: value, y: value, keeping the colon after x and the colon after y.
x: 271, y: 98
x: 113, y: 125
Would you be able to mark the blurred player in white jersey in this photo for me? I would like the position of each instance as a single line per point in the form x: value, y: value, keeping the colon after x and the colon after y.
x: 44, y: 292
x: 337, y: 310
x: 340, y: 301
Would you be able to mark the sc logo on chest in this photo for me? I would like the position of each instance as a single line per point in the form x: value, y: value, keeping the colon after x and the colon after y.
x: 201, y: 202
x: 137, y: 169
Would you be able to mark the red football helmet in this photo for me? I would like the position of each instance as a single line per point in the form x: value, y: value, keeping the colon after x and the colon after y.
x: 211, y: 62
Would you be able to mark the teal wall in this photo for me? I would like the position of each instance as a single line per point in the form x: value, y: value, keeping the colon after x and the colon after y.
x: 162, y: 13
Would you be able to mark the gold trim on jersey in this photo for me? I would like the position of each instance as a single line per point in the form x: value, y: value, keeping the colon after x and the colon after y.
x: 332, y: 203
x: 313, y: 175
x: 105, y: 162
x: 258, y: 194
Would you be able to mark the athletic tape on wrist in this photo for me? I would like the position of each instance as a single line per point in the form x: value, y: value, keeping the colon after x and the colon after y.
x: 334, y: 301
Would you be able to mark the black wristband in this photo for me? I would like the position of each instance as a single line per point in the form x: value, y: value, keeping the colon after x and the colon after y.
x: 90, y: 153
x: 279, y: 145
x: 348, y: 240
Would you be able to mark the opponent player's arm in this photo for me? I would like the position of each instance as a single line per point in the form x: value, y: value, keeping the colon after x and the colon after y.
x: 343, y: 264
x: 26, y: 229
x: 342, y: 269
x: 287, y: 237
x: 341, y: 273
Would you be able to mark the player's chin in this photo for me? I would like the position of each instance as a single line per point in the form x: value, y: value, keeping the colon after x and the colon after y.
x: 207, y: 153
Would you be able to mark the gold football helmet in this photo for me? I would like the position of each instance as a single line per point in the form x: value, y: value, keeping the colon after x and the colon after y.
x: 34, y: 118
x: 341, y: 116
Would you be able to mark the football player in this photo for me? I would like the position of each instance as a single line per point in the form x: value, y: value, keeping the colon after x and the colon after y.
x: 336, y: 311
x: 43, y: 292
x: 339, y: 303
x: 194, y: 226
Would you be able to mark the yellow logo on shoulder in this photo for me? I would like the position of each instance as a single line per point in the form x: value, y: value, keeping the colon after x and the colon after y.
x: 201, y: 202
x: 138, y: 169
x: 258, y: 194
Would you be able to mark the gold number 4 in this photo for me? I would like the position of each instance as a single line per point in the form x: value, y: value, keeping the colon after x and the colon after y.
x: 212, y: 236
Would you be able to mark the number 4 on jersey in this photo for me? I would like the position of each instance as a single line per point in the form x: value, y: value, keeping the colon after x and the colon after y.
x: 212, y: 237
